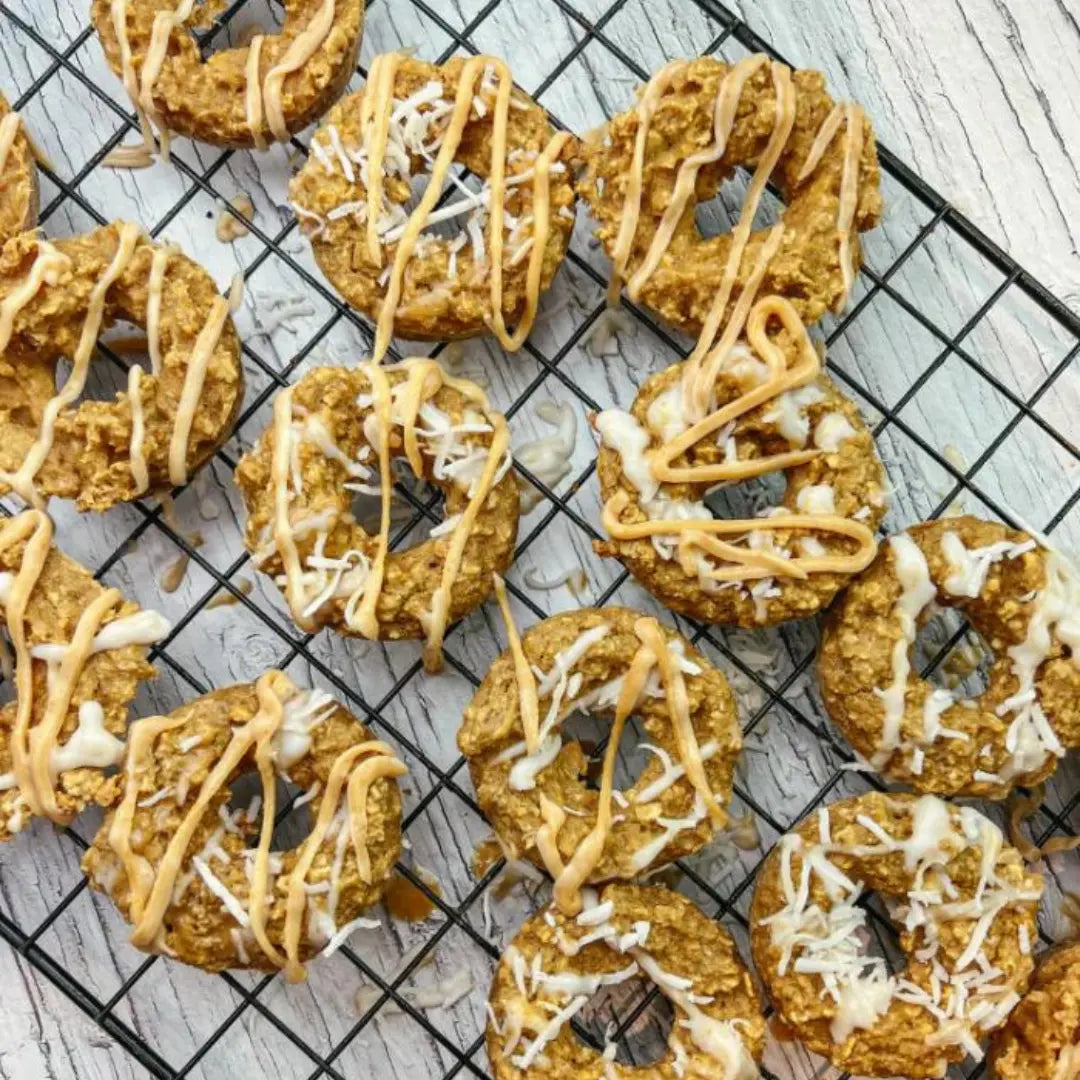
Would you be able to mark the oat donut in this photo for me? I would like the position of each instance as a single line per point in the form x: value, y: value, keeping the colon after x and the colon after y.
x: 202, y: 884
x: 243, y: 97
x: 530, y: 783
x: 79, y: 654
x: 695, y: 122
x: 740, y: 410
x: 18, y: 175
x: 1024, y: 601
x: 412, y: 119
x: 556, y: 963
x: 337, y: 432
x: 1041, y: 1040
x: 56, y: 298
x: 962, y: 900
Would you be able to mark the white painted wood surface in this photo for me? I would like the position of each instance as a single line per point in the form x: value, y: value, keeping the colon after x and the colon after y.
x: 980, y: 97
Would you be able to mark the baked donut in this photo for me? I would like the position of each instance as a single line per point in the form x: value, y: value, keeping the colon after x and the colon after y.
x: 964, y: 904
x: 530, y: 783
x: 243, y: 97
x: 336, y: 432
x: 1041, y: 1039
x: 557, y: 962
x: 695, y: 122
x: 411, y: 119
x: 179, y: 864
x: 79, y: 653
x: 1022, y: 599
x: 56, y: 298
x: 18, y: 175
x: 729, y: 413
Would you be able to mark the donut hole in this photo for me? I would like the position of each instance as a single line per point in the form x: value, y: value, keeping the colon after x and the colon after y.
x: 951, y: 654
x: 293, y: 823
x: 717, y: 214
x: 458, y: 189
x: 747, y: 498
x: 254, y: 17
x: 592, y: 731
x: 104, y: 379
x: 407, y: 496
x: 647, y: 1014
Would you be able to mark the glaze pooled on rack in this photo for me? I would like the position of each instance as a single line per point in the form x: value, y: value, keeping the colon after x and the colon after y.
x: 1024, y: 602
x: 77, y: 656
x: 56, y: 299
x: 964, y: 904
x: 735, y: 410
x: 411, y: 119
x: 527, y: 775
x: 177, y: 861
x: 273, y: 87
x: 557, y: 962
x: 649, y: 169
x: 336, y: 434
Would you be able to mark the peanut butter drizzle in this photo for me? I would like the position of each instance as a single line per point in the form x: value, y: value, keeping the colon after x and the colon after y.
x: 851, y: 116
x: 359, y: 783
x: 299, y: 52
x: 158, y: 263
x: 376, y: 110
x: 22, y: 481
x: 151, y: 890
x: 425, y: 378
x: 260, y: 99
x: 253, y: 98
x: 139, y: 472
x: 194, y: 377
x: 47, y: 267
x: 752, y: 562
x: 528, y: 702
x: 547, y: 836
x: 9, y: 128
x: 568, y: 880
x: 32, y: 745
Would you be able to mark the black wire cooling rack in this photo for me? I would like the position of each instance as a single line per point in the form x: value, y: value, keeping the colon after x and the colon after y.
x: 459, y: 1050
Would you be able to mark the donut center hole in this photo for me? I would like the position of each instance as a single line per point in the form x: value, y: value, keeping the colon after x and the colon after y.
x: 459, y: 210
x: 747, y: 498
x: 254, y: 17
x: 122, y: 345
x: 951, y: 655
x: 415, y: 505
x: 592, y: 733
x: 293, y: 823
x: 634, y: 1016
x: 718, y: 212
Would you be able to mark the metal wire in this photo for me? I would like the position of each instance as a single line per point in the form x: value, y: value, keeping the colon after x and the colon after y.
x: 940, y: 217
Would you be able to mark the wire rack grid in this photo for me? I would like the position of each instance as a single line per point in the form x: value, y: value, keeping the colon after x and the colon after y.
x: 990, y: 307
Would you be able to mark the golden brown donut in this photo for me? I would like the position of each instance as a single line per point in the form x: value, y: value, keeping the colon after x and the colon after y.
x: 530, y: 783
x: 202, y: 884
x: 18, y: 175
x: 962, y: 900
x: 1041, y: 1040
x: 413, y: 118
x: 738, y: 410
x: 556, y: 963
x: 56, y: 298
x: 337, y: 432
x: 1023, y: 600
x: 696, y: 121
x: 79, y: 653
x: 243, y: 97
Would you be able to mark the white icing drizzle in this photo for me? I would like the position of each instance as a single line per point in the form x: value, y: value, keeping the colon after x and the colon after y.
x: 967, y: 996
x: 968, y: 567
x: 9, y: 128
x: 37, y: 757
